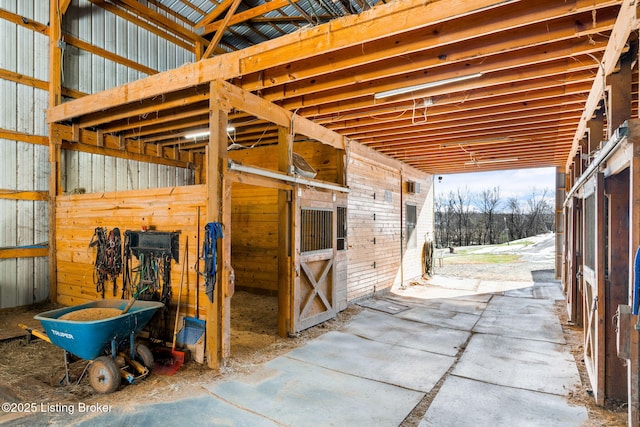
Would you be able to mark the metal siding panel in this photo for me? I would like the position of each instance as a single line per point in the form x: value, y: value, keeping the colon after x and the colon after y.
x: 41, y: 279
x: 153, y: 176
x: 71, y: 56
x: 143, y: 175
x: 84, y: 58
x: 121, y: 49
x: 97, y: 169
x: 8, y: 280
x: 97, y: 38
x: 110, y: 171
x: 132, y: 48
x: 85, y: 172
x: 110, y: 67
x: 152, y: 51
x: 121, y: 176
x: 143, y: 48
x: 72, y: 167
x: 7, y: 56
x: 165, y: 176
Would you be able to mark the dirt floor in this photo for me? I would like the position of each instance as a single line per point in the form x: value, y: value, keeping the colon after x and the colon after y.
x: 31, y: 371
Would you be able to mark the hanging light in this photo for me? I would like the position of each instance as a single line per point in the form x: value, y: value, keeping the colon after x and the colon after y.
x: 401, y: 91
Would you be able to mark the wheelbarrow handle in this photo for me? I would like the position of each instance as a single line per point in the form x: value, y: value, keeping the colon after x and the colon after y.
x: 35, y: 332
x: 128, y: 306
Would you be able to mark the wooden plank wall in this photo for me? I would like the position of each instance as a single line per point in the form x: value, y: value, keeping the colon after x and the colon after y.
x: 254, y: 241
x: 376, y: 223
x: 423, y: 200
x: 254, y: 217
x: 372, y: 266
x: 323, y: 158
x: 162, y: 209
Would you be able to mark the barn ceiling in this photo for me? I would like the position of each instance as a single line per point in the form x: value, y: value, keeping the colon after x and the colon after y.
x: 465, y: 86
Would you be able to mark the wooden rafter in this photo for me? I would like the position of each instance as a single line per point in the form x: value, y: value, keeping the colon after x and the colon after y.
x: 215, y: 13
x: 537, y: 64
x: 247, y: 15
x: 221, y: 29
x: 628, y: 21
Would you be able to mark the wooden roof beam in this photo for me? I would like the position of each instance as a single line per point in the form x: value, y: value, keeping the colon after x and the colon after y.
x: 414, y: 140
x: 379, y: 22
x: 215, y: 13
x: 438, y: 35
x: 222, y: 28
x: 434, y: 130
x: 181, y: 99
x: 627, y: 22
x: 247, y: 15
x: 346, y: 114
x: 501, y: 73
x: 428, y: 68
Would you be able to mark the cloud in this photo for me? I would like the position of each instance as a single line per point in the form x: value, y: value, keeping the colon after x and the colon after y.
x: 512, y: 183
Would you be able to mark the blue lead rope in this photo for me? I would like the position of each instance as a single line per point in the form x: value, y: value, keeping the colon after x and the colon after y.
x: 213, y: 232
x: 636, y: 283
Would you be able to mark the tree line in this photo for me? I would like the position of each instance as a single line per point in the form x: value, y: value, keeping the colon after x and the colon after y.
x: 463, y: 218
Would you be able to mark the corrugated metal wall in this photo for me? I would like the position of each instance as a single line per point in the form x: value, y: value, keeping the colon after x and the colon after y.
x: 89, y: 173
x: 25, y: 166
x: 91, y: 73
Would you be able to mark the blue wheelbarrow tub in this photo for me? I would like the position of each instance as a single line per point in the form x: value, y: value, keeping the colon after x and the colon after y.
x: 89, y: 340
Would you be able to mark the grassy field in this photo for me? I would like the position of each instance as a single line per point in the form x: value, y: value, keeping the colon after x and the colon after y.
x: 469, y: 257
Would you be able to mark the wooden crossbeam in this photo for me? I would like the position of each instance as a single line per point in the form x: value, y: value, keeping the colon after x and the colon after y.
x: 221, y: 29
x: 6, y: 253
x: 24, y: 195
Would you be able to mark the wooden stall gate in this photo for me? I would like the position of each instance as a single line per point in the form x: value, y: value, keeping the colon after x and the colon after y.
x: 317, y: 257
x: 593, y: 280
x: 573, y: 247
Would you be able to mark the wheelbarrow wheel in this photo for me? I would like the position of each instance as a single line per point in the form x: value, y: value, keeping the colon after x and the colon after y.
x: 104, y: 375
x: 144, y: 356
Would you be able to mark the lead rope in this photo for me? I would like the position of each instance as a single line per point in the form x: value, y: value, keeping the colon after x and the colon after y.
x: 212, y: 232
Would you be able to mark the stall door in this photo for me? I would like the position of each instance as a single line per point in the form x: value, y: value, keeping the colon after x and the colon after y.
x: 593, y: 282
x: 574, y: 261
x: 314, y: 292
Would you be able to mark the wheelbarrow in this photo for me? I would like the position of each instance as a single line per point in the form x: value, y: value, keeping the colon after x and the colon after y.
x: 102, y: 341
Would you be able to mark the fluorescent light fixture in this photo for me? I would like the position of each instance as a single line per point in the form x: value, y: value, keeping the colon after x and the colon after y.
x: 201, y: 133
x: 196, y: 135
x: 489, y: 161
x: 477, y: 142
x: 402, y: 91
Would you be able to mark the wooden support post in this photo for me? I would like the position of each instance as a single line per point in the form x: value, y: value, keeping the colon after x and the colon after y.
x: 619, y: 95
x: 285, y: 278
x: 595, y: 130
x: 583, y: 152
x: 217, y: 330
x: 100, y: 138
x: 75, y: 132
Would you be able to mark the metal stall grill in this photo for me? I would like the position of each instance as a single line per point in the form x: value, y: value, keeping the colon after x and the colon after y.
x: 316, y: 232
x: 342, y: 228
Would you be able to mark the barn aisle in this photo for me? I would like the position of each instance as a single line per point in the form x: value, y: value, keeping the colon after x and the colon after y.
x: 428, y: 355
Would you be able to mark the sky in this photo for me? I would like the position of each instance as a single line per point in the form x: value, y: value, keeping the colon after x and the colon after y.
x: 512, y: 183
